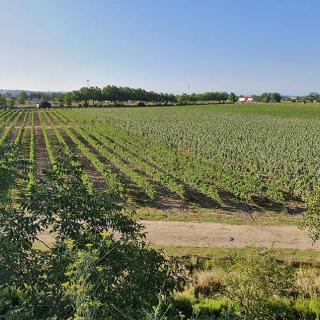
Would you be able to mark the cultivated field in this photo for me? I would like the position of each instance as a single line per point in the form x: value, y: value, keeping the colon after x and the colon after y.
x: 229, y: 156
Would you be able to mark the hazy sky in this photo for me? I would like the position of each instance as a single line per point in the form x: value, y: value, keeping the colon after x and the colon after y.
x: 246, y: 46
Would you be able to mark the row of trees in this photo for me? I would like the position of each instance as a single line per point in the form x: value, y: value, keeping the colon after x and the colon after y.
x: 267, y: 97
x: 9, y: 100
x: 277, y: 97
x: 207, y: 96
x: 118, y: 95
x: 311, y: 97
x: 112, y: 94
x: 6, y: 102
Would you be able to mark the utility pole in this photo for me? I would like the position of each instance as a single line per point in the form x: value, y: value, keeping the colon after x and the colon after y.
x: 88, y: 83
x: 189, y: 89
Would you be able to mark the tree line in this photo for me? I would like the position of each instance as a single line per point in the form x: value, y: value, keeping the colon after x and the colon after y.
x: 113, y: 95
x: 116, y: 96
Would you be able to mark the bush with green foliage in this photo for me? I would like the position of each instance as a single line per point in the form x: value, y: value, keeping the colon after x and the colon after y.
x: 3, y: 101
x: 11, y: 169
x: 254, y: 280
x: 311, y: 219
x: 99, y: 266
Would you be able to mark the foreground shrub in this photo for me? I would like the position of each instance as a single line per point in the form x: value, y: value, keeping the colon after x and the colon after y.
x: 209, y: 283
x: 308, y: 282
x: 314, y: 306
x: 255, y: 279
x: 311, y: 219
x: 210, y: 307
x: 99, y: 266
x: 183, y: 302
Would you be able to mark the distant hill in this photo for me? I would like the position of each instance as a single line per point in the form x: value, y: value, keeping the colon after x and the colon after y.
x: 15, y: 92
x: 12, y: 93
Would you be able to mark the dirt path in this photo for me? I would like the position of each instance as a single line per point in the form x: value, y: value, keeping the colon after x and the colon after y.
x: 207, y: 234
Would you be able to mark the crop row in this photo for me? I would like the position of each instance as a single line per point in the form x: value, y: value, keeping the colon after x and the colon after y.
x: 20, y: 133
x: 85, y: 178
x: 274, y: 151
x: 117, y: 162
x: 114, y: 153
x: 113, y: 181
x: 182, y: 167
x: 32, y: 156
x: 159, y: 176
x: 13, y: 120
x: 156, y: 174
x: 213, y: 151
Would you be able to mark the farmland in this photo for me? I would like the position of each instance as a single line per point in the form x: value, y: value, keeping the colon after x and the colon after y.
x: 191, y: 175
x: 207, y: 155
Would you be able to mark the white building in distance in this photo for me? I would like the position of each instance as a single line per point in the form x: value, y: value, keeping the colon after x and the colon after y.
x: 245, y: 99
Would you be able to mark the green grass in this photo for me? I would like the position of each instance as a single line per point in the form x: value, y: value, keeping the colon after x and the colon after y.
x: 220, y: 216
x: 296, y: 256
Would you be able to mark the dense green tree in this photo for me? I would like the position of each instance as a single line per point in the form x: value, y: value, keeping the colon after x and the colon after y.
x: 203, y: 97
x: 265, y: 97
x: 68, y: 98
x: 84, y: 95
x: 275, y: 97
x: 269, y: 97
x: 3, y: 101
x: 184, y: 98
x: 35, y: 95
x: 112, y: 93
x: 313, y: 96
x: 10, y: 102
x: 44, y: 97
x: 95, y: 94
x: 233, y: 97
x: 22, y: 97
x: 59, y: 100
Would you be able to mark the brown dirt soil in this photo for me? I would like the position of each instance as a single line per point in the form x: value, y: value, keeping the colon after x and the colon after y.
x: 42, y: 157
x: 197, y: 234
x: 13, y: 135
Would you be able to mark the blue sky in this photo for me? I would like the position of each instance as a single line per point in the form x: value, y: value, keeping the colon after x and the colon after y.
x: 245, y: 46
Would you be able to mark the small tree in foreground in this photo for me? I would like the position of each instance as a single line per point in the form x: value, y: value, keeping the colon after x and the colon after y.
x: 311, y: 219
x: 98, y: 266
x: 254, y: 282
